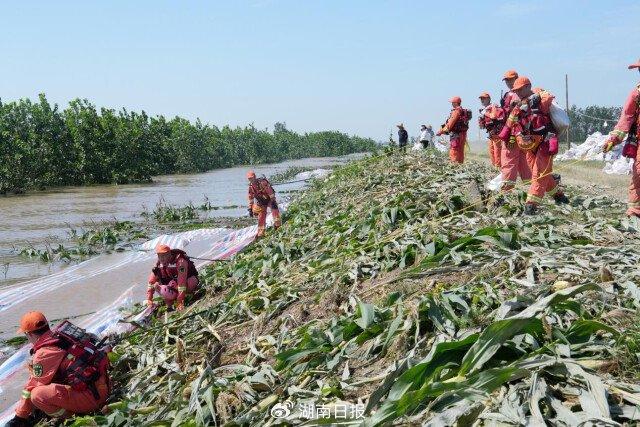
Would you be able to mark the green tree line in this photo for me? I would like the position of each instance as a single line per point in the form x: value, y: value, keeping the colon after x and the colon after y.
x: 587, y: 120
x: 43, y: 146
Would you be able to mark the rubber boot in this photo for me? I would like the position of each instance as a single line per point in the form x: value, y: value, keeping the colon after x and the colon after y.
x: 530, y: 209
x: 560, y: 199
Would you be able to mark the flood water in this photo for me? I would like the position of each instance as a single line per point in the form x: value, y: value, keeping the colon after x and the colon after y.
x: 46, y: 217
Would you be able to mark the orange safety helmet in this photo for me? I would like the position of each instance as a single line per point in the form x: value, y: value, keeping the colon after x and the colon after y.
x: 634, y: 65
x: 162, y: 249
x: 484, y: 95
x: 32, y: 321
x: 251, y: 175
x: 456, y: 99
x: 510, y: 74
x: 521, y: 82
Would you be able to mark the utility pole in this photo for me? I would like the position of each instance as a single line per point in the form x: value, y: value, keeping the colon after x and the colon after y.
x: 566, y: 99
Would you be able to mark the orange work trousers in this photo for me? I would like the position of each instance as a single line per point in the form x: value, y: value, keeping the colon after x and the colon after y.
x: 633, y: 206
x: 513, y: 163
x: 495, y: 148
x: 456, y: 147
x: 59, y: 400
x: 262, y: 219
x: 542, y: 180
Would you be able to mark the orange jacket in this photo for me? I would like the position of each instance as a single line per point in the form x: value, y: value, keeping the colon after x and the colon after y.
x: 630, y: 115
x: 492, y: 118
x: 261, y: 192
x: 508, y: 101
x: 42, y: 370
x: 177, y: 270
x: 531, y: 116
x: 453, y: 118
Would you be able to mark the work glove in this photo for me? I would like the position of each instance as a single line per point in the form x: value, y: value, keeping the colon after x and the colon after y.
x: 250, y: 212
x: 553, y: 145
x: 149, y: 302
x: 180, y: 306
x: 17, y: 421
x: 611, y: 142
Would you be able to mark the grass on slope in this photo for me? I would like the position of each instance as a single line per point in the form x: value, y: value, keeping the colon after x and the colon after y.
x: 396, y: 286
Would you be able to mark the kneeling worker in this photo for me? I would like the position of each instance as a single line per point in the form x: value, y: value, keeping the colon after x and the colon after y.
x: 262, y: 196
x: 173, y: 277
x: 68, y: 371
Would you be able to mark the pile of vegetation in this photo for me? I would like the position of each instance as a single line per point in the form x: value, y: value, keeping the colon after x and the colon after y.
x: 42, y: 146
x: 397, y: 288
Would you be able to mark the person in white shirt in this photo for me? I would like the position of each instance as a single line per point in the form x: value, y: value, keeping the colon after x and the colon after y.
x: 426, y: 135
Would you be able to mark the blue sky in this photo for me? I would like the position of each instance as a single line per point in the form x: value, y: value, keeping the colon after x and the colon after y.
x: 356, y: 66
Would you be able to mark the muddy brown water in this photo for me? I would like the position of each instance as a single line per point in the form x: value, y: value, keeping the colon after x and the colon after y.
x: 47, y: 217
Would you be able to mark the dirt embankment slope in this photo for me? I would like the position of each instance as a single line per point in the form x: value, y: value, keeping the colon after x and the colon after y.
x: 396, y: 290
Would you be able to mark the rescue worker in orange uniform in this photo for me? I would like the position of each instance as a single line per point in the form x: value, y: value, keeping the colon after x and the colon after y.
x: 513, y: 161
x: 174, y: 277
x: 628, y: 127
x: 492, y: 119
x: 261, y: 197
x: 530, y: 123
x: 51, y: 388
x: 456, y: 126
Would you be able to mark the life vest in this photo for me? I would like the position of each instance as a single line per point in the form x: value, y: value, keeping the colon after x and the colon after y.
x: 462, y: 124
x: 506, y: 102
x: 167, y: 273
x: 260, y: 191
x: 630, y: 149
x: 532, y: 115
x: 492, y: 119
x: 86, y: 359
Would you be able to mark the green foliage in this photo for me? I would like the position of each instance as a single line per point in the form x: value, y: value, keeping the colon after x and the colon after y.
x: 584, y: 121
x: 42, y: 146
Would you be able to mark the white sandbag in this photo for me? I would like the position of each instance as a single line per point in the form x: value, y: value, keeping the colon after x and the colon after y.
x: 316, y: 173
x: 495, y: 183
x: 591, y: 149
x: 442, y: 144
x: 560, y: 119
x: 620, y: 166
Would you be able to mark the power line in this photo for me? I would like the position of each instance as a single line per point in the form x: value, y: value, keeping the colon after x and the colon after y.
x: 595, y: 118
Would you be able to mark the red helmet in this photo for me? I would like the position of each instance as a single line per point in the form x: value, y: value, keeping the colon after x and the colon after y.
x: 251, y: 175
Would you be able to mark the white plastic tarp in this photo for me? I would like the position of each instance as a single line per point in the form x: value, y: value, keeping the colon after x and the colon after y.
x: 104, y: 283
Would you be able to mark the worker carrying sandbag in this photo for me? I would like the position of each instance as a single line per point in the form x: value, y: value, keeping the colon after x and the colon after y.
x: 174, y: 277
x: 513, y: 161
x: 492, y: 119
x: 530, y: 123
x: 68, y: 371
x: 628, y: 127
x: 456, y: 126
x: 262, y: 196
